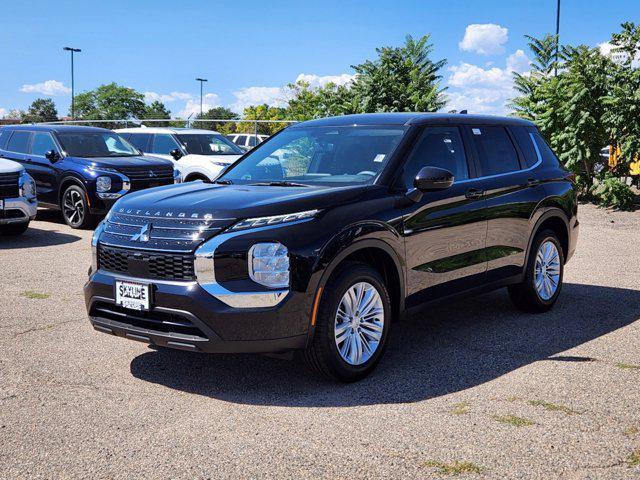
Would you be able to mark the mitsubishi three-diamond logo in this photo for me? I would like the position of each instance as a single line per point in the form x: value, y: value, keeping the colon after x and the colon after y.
x: 143, y: 234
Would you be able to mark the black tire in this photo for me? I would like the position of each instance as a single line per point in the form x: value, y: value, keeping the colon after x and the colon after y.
x: 322, y: 355
x: 524, y: 295
x: 14, y: 228
x: 75, y: 210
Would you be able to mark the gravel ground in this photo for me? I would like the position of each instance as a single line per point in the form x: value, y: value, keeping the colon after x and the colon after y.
x: 476, y: 388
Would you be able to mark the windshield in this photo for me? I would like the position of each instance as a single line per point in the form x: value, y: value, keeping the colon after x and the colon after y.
x: 208, y: 144
x: 96, y: 144
x: 319, y: 155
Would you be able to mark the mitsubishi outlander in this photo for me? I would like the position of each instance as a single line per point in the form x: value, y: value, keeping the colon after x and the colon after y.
x: 322, y: 251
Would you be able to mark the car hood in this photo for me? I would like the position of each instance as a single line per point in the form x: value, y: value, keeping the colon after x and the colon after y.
x: 199, y: 199
x: 9, y: 166
x: 213, y: 158
x: 115, y: 162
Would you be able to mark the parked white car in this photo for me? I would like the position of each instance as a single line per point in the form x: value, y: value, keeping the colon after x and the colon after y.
x: 247, y: 141
x: 198, y: 154
x: 18, y: 203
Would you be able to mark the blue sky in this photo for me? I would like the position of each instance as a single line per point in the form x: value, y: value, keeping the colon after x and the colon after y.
x: 250, y: 49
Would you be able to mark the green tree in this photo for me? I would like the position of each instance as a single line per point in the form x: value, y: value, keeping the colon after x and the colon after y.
x: 156, y: 110
x: 328, y: 100
x: 401, y: 79
x: 263, y: 112
x: 217, y: 113
x: 41, y: 110
x: 111, y: 101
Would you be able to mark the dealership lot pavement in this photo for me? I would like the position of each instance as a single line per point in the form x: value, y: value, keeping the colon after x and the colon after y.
x: 475, y: 388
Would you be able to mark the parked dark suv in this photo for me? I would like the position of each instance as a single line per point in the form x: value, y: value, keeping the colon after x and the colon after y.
x: 368, y: 216
x: 81, y: 170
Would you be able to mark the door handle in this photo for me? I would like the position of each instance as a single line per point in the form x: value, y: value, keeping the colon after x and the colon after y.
x: 532, y: 182
x: 474, y: 193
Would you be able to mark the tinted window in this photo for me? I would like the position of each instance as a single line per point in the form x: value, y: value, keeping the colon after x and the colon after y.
x: 96, y: 144
x: 208, y: 144
x: 163, y: 144
x: 42, y: 143
x: 19, y: 142
x: 241, y: 140
x: 438, y: 147
x: 4, y: 136
x: 140, y: 141
x: 495, y: 150
x: 525, y: 141
x: 545, y: 151
x: 252, y: 141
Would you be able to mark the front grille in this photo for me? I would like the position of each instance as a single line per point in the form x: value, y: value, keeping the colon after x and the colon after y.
x: 152, y: 265
x: 11, y: 214
x: 9, y: 185
x: 147, y: 177
x: 154, y: 321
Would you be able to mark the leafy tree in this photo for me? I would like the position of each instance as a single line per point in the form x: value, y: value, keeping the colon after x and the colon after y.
x: 331, y: 99
x: 111, y: 101
x: 401, y: 79
x: 41, y: 110
x: 263, y: 112
x: 217, y: 113
x: 156, y: 110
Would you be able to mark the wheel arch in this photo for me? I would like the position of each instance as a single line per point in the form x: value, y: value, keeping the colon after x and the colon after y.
x: 554, y: 219
x: 67, y: 181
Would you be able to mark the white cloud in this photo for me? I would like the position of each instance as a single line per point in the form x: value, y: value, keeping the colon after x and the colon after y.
x: 484, y: 90
x: 607, y: 49
x: 3, y: 112
x: 315, y: 81
x: 166, y: 97
x: 485, y: 39
x: 192, y: 107
x: 245, y: 97
x: 48, y: 87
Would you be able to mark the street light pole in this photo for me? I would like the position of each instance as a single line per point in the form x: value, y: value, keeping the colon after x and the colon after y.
x: 201, y: 80
x: 72, y: 50
x: 557, y: 37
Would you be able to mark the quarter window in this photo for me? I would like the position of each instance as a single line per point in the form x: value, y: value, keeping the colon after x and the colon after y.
x: 495, y: 150
x: 163, y: 144
x: 19, y: 142
x: 42, y: 143
x: 545, y: 151
x: 525, y: 140
x: 140, y: 141
x: 438, y: 147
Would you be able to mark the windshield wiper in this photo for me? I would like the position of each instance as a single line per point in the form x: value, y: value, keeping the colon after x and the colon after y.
x: 279, y: 184
x: 223, y: 182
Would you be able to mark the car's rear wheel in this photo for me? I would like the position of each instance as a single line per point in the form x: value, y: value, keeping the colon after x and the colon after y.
x: 75, y: 209
x: 542, y: 282
x: 352, y: 324
x: 14, y: 228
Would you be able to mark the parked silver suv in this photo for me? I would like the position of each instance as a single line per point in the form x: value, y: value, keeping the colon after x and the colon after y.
x: 18, y: 203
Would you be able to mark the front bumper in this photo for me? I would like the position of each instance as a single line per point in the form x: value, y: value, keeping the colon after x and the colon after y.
x: 18, y: 210
x: 185, y: 316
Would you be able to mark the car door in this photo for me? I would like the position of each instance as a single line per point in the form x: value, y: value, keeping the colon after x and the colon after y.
x: 44, y: 172
x: 445, y: 232
x: 512, y: 195
x: 162, y: 144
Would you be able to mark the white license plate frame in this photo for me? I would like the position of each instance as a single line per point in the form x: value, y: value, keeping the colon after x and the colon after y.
x: 133, y: 295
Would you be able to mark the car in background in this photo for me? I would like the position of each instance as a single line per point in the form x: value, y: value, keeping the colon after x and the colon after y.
x: 82, y: 170
x: 18, y: 203
x: 247, y: 141
x: 198, y: 154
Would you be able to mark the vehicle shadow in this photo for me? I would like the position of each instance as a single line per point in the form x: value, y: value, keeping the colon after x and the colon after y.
x: 36, y: 237
x: 443, y: 350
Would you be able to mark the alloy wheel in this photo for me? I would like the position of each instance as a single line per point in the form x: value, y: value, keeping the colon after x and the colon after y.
x: 359, y: 323
x: 73, y: 206
x: 547, y: 270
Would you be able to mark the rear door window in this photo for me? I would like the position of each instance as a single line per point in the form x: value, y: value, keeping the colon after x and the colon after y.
x: 140, y: 141
x: 496, y: 152
x: 163, y: 143
x: 19, y: 142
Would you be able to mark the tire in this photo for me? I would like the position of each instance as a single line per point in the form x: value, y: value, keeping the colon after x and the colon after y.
x: 75, y: 210
x: 196, y: 177
x: 14, y: 228
x: 323, y: 355
x: 526, y: 296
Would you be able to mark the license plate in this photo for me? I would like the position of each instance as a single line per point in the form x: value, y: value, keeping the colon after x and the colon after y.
x: 132, y: 295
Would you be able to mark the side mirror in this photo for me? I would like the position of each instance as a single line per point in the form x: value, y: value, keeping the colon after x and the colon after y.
x: 431, y: 179
x: 52, y: 156
x: 176, y: 153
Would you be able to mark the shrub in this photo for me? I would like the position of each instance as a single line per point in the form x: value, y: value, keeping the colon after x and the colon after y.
x: 613, y: 192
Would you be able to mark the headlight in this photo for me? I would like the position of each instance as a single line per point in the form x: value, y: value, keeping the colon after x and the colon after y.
x: 103, y: 184
x: 27, y: 185
x: 274, y: 220
x: 269, y: 264
x: 177, y: 177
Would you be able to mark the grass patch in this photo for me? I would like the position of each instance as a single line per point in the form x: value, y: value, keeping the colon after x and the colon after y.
x: 634, y: 459
x: 461, y: 408
x: 513, y: 420
x: 34, y: 295
x: 553, y: 407
x: 632, y: 431
x: 455, y: 468
x: 627, y: 366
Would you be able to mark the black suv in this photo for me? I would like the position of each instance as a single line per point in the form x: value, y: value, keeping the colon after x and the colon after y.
x: 82, y: 170
x: 323, y: 249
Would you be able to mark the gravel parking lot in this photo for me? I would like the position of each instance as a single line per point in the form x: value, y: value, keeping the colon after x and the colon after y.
x: 476, y: 388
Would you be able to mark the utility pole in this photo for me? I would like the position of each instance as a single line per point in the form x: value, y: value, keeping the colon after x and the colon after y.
x: 557, y: 37
x: 73, y: 110
x: 201, y: 80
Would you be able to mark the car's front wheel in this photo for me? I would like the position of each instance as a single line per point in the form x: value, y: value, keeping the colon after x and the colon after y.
x: 542, y: 281
x: 75, y: 209
x: 352, y: 324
